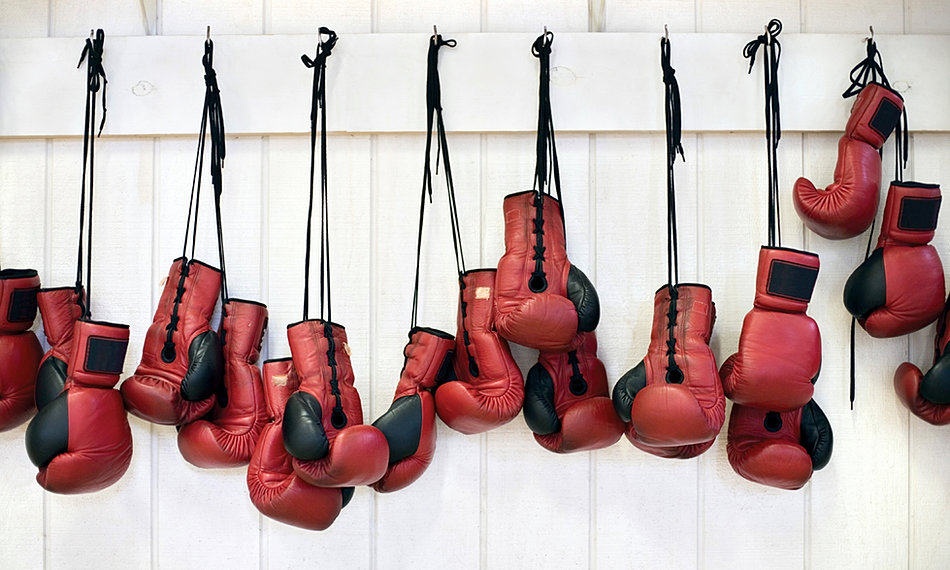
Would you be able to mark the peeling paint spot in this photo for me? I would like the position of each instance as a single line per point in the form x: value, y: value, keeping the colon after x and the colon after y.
x: 142, y: 88
x: 563, y: 76
x: 901, y: 86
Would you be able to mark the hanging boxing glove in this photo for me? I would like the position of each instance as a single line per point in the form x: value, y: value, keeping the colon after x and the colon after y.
x: 227, y: 435
x: 848, y: 206
x: 928, y: 395
x: 899, y: 288
x: 566, y: 402
x: 323, y: 420
x: 81, y: 440
x: 20, y: 351
x: 489, y: 389
x: 672, y: 400
x: 779, y: 353
x: 275, y: 489
x: 182, y: 365
x: 541, y: 299
x: 60, y: 310
x: 779, y: 449
x: 409, y: 424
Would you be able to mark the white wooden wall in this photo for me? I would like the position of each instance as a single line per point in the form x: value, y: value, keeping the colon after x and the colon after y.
x: 496, y: 500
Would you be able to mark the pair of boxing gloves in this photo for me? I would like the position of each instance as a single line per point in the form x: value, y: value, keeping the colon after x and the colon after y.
x: 81, y: 439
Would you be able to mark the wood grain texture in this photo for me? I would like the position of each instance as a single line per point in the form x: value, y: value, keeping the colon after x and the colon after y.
x: 23, y: 19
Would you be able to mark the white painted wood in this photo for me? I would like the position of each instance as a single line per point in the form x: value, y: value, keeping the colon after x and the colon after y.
x: 927, y: 16
x: 848, y: 16
x: 22, y: 245
x: 23, y: 19
x: 866, y: 479
x: 631, y: 208
x: 532, y: 17
x: 342, y: 16
x: 649, y: 17
x: 734, y: 180
x: 350, y: 191
x: 115, y: 17
x: 446, y: 496
x: 420, y: 15
x: 183, y: 17
x: 490, y: 85
x: 928, y: 466
x: 123, y: 191
x: 739, y: 16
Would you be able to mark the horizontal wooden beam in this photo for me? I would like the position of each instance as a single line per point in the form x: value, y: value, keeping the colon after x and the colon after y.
x: 602, y: 82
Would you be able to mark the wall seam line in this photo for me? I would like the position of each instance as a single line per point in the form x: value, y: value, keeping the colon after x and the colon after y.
x: 592, y: 267
x: 47, y: 270
x: 263, y: 552
x: 373, y: 323
x: 152, y: 435
x: 483, y: 440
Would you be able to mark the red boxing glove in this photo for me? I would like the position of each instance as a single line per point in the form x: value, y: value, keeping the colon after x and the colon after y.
x: 20, y: 351
x: 672, y: 401
x: 182, y: 364
x: 928, y: 395
x: 779, y: 449
x: 409, y: 424
x: 899, y: 288
x: 490, y: 389
x: 780, y: 347
x: 81, y: 441
x: 323, y: 420
x: 566, y: 403
x: 227, y: 435
x: 847, y: 207
x: 60, y: 310
x: 275, y: 489
x: 542, y: 301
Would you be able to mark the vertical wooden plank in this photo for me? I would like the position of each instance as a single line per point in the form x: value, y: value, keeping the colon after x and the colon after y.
x: 23, y: 19
x: 929, y: 465
x: 526, y: 16
x: 844, y: 16
x: 115, y: 17
x: 863, y: 482
x: 729, y: 258
x: 453, y: 477
x: 927, y: 17
x: 342, y: 16
x: 516, y: 501
x: 182, y: 17
x: 420, y: 15
x: 739, y: 16
x: 22, y: 245
x: 123, y: 196
x: 631, y: 209
x: 639, y: 16
x: 217, y: 497
x: 349, y: 159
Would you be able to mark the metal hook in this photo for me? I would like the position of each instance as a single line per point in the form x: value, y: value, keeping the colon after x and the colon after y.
x: 92, y: 33
x: 435, y: 33
x: 208, y: 34
x: 545, y: 30
x: 768, y: 35
x: 666, y: 32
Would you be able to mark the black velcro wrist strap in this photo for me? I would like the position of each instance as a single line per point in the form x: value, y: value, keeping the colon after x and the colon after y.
x: 105, y: 355
x: 918, y: 214
x: 22, y: 306
x: 791, y: 280
x: 885, y: 118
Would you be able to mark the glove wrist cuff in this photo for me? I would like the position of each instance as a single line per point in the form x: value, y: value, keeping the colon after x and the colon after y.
x: 910, y: 213
x: 785, y: 279
x: 98, y: 353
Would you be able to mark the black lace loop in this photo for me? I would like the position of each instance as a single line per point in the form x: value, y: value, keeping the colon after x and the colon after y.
x: 95, y: 79
x: 871, y: 70
x: 318, y: 109
x: 674, y: 146
x: 546, y: 164
x: 434, y: 118
x: 773, y: 123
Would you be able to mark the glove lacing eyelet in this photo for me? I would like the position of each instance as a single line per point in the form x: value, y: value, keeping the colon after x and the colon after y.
x: 338, y: 416
x: 578, y: 385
